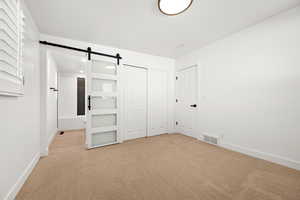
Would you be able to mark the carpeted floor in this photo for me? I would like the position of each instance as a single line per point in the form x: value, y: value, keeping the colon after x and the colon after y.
x: 166, y: 167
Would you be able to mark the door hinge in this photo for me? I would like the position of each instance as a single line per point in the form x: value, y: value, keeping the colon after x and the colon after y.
x: 176, y: 100
x: 176, y: 123
x: 176, y: 77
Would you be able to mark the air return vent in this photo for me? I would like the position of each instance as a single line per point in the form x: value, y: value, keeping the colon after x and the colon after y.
x: 211, y: 139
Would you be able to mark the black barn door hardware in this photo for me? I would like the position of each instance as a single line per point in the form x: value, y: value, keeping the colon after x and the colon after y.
x: 194, y: 105
x: 88, y: 51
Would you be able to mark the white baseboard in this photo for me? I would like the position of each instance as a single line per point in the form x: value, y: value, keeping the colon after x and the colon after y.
x: 45, y: 150
x: 51, y: 138
x: 262, y: 155
x: 20, y: 182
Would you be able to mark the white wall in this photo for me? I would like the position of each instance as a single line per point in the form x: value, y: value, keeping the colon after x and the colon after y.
x: 67, y: 102
x: 51, y: 97
x: 48, y: 99
x: 19, y: 121
x: 249, y: 89
x: 154, y: 64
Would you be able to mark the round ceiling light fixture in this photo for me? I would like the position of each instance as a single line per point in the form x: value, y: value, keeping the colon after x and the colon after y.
x: 174, y: 7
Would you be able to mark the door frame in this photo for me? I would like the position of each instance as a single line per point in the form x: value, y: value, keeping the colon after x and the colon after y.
x: 178, y: 71
x: 124, y: 110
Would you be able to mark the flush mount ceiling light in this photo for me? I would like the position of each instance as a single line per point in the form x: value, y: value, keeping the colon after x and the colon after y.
x: 174, y: 7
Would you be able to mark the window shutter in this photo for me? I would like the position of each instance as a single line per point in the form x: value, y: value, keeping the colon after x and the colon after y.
x: 12, y: 26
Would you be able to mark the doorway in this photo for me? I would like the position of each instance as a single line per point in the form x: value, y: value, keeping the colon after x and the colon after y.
x: 71, y: 92
x: 88, y: 95
x: 187, y: 98
x: 136, y: 103
x: 63, y: 84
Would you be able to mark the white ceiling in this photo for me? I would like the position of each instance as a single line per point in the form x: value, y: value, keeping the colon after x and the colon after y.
x: 137, y: 24
x: 67, y: 63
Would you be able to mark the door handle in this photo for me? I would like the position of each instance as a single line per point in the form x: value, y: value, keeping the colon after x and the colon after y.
x: 194, y: 105
x: 89, y: 102
x: 54, y: 89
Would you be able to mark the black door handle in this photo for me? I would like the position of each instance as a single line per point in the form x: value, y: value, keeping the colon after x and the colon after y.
x: 194, y: 105
x: 89, y: 102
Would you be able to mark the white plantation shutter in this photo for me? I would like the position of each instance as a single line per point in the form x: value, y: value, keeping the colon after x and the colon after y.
x: 12, y: 26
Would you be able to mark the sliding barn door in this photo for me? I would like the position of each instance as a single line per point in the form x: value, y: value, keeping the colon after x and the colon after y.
x: 103, y: 107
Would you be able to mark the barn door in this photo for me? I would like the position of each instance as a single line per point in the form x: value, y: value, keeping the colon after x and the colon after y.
x: 103, y: 108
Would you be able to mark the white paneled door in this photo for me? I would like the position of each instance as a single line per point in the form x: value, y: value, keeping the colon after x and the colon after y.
x: 158, y: 102
x: 103, y: 107
x: 187, y: 107
x: 135, y: 96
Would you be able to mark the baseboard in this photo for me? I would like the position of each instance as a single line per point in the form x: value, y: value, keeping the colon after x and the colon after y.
x: 20, y: 182
x: 66, y: 130
x: 51, y: 138
x: 262, y: 155
x: 45, y: 151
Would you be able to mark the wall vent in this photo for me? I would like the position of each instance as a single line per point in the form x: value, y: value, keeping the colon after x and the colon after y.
x: 211, y: 139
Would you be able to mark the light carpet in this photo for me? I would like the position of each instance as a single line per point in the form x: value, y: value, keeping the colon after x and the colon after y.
x: 166, y: 167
